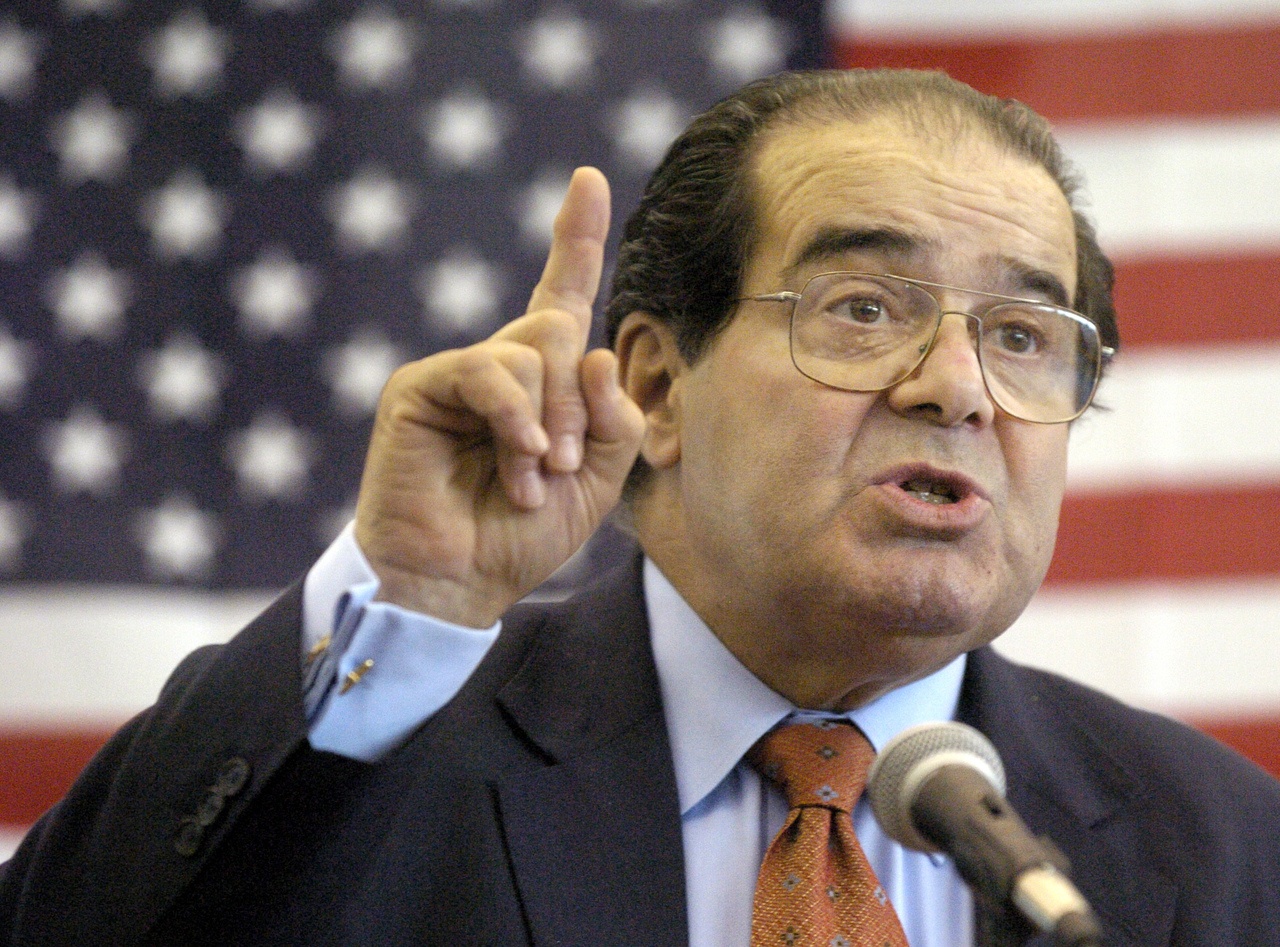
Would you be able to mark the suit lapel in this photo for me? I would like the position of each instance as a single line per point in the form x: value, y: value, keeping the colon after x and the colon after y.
x: 595, y: 838
x: 1065, y: 781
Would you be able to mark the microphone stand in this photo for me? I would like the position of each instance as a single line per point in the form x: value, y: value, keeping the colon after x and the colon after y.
x: 1006, y: 867
x: 996, y: 927
x: 998, y: 923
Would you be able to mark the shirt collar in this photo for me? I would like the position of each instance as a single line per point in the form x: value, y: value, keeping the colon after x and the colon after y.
x: 716, y: 709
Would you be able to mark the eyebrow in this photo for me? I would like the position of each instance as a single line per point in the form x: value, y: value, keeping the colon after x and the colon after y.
x: 1038, y: 282
x: 831, y: 242
x: 836, y: 241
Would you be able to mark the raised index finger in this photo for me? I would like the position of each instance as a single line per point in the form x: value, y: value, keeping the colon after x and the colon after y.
x: 571, y: 278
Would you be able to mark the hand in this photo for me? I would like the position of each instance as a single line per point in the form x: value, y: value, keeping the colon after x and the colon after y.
x: 490, y: 465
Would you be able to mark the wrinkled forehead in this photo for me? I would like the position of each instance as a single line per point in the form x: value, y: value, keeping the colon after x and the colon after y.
x: 944, y: 191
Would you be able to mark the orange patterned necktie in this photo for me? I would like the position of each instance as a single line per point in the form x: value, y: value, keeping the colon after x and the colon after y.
x: 816, y: 888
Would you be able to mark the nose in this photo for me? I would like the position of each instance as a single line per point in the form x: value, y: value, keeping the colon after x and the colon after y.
x: 947, y: 388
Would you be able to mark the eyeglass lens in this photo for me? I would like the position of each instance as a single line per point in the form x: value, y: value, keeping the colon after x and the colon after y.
x: 867, y: 333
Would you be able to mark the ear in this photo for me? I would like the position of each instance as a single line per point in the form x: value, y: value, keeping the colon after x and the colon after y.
x: 650, y: 368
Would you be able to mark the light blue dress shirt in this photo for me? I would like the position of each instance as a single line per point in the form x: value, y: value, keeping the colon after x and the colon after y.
x: 715, y: 711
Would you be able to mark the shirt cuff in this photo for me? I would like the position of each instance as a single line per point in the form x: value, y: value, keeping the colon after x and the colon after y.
x: 399, y: 669
x: 373, y: 672
x: 338, y: 569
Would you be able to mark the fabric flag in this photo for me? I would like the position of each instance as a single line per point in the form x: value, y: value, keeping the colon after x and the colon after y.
x: 221, y: 226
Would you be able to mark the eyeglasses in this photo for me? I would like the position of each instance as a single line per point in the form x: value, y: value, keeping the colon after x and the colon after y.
x: 860, y: 332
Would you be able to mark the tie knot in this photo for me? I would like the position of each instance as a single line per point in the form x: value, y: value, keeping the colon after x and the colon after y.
x: 816, y: 764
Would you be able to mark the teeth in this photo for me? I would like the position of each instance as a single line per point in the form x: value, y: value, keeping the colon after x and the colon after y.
x: 931, y: 497
x: 929, y: 492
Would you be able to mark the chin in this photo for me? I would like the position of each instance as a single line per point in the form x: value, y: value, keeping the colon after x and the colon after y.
x: 930, y: 604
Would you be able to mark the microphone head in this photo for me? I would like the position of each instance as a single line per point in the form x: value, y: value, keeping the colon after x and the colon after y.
x: 914, y: 755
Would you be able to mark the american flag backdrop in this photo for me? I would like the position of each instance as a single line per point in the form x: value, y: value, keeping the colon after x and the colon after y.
x: 223, y: 223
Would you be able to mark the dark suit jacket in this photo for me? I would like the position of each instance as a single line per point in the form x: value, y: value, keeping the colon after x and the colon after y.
x: 539, y: 806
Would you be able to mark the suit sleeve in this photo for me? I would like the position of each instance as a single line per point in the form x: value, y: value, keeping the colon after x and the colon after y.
x: 139, y: 822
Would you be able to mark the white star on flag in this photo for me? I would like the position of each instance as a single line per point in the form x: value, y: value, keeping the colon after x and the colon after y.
x: 182, y: 379
x: 18, y: 51
x: 85, y: 453
x: 461, y: 289
x: 275, y: 294
x: 747, y: 45
x: 358, y: 370
x: 373, y: 50
x: 371, y: 211
x: 271, y: 457
x: 92, y: 140
x: 463, y: 130
x: 539, y: 203
x: 188, y: 55
x: 185, y: 216
x: 15, y: 368
x: 279, y: 133
x: 89, y: 298
x: 559, y: 50
x: 17, y: 215
x: 644, y: 126
x: 178, y: 539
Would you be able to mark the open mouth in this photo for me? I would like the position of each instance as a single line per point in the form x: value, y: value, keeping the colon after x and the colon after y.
x: 931, y: 491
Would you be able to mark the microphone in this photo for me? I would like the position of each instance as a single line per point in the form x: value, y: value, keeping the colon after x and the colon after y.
x: 939, y: 787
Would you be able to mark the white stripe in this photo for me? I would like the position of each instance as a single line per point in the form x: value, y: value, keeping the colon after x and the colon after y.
x: 1179, y: 417
x: 10, y: 836
x: 1194, y: 648
x: 1207, y: 649
x: 1177, y: 186
x: 959, y: 19
x: 1203, y: 650
x: 97, y: 656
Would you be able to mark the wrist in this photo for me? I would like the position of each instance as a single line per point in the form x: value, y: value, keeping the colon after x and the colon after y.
x: 442, y: 599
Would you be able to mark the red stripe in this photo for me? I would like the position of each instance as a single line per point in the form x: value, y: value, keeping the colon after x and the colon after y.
x: 1187, y: 72
x: 37, y: 768
x: 1171, y: 534
x: 1197, y: 300
x: 1257, y: 738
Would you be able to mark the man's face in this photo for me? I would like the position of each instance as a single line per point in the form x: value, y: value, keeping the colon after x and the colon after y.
x: 796, y: 520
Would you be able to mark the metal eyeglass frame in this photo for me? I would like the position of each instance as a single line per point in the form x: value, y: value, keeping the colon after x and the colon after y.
x: 1105, y: 352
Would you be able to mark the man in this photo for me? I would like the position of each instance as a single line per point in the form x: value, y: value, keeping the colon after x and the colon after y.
x: 845, y: 352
